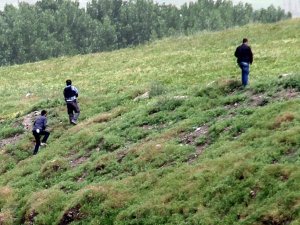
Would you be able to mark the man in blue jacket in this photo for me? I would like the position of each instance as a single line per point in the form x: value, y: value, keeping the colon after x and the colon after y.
x: 244, y: 56
x: 39, y: 129
x: 71, y: 95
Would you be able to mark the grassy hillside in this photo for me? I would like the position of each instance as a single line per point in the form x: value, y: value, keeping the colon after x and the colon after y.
x: 199, y: 150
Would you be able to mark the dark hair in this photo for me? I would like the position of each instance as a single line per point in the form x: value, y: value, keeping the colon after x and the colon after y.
x: 44, y: 112
x: 245, y: 40
x: 68, y: 82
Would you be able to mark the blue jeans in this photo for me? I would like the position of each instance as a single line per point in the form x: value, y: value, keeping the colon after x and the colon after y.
x: 245, y: 67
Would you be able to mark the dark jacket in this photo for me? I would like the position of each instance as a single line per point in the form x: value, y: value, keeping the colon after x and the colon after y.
x: 40, y: 123
x: 244, y: 54
x: 70, y: 93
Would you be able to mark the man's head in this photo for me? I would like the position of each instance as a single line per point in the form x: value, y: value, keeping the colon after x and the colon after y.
x: 44, y: 112
x: 245, y: 40
x: 68, y: 82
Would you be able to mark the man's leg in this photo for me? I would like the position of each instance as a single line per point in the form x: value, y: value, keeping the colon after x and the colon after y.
x: 70, y: 111
x: 245, y: 73
x: 37, y: 142
x: 77, y: 112
x: 46, y: 135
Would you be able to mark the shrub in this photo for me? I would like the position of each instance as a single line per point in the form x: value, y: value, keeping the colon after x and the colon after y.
x: 292, y: 81
x: 165, y: 104
x: 52, y: 168
x: 7, y: 132
x: 111, y: 142
x: 156, y: 88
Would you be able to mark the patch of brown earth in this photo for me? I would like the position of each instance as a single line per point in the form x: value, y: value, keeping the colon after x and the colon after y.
x: 28, y: 120
x: 261, y: 99
x: 10, y: 140
x: 232, y: 106
x: 190, y: 138
x: 30, y: 218
x: 287, y: 94
x: 275, y: 220
x: 71, y: 215
x: 81, y: 178
x: 78, y: 161
x: 154, y: 127
x: 258, y: 100
x: 121, y: 155
x: 27, y: 123
x: 199, y: 150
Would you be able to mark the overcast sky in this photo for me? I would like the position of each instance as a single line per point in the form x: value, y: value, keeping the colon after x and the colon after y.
x: 255, y: 3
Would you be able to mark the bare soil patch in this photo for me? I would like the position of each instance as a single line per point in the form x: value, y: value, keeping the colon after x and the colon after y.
x: 191, y: 139
x: 28, y: 120
x: 71, y: 215
x: 78, y: 161
x: 287, y: 94
x: 10, y: 140
x: 27, y: 123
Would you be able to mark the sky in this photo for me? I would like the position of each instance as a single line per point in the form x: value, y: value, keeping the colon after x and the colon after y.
x: 256, y: 3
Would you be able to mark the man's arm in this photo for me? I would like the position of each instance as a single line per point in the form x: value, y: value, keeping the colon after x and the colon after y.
x: 236, y: 54
x: 44, y: 123
x: 75, y: 90
x: 64, y: 92
x: 250, y: 55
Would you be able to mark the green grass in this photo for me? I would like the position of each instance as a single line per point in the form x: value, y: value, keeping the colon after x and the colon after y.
x: 199, y: 150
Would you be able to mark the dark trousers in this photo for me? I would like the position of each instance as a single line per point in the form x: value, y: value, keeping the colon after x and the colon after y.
x: 37, y: 137
x: 72, y: 108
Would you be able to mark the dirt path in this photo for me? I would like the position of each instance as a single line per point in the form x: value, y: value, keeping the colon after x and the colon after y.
x: 27, y: 122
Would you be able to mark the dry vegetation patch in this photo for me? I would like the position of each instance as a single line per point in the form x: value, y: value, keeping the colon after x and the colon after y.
x: 6, y: 195
x: 6, y: 217
x: 285, y: 118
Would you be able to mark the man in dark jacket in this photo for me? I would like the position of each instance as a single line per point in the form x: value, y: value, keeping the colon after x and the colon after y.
x: 244, y: 59
x: 39, y: 129
x: 71, y: 95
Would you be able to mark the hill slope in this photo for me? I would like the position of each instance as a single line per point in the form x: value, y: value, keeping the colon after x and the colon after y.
x: 199, y: 150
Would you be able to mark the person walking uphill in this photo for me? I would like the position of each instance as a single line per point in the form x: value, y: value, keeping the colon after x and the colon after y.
x: 244, y: 56
x: 71, y: 94
x: 39, y: 129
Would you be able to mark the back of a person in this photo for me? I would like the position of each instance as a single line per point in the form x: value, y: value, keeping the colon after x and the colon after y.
x: 39, y: 129
x: 244, y: 54
x: 39, y: 123
x: 69, y: 93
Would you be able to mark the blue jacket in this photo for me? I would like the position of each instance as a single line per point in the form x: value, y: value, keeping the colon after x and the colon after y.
x: 40, y: 123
